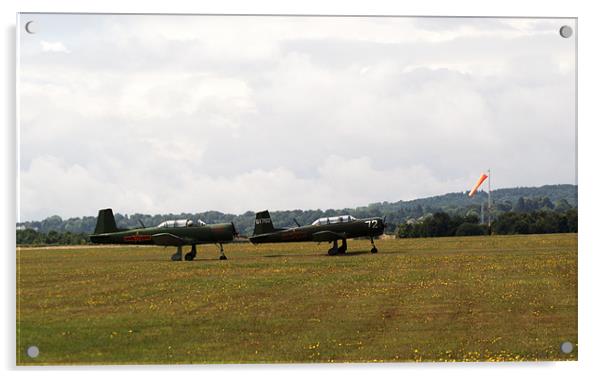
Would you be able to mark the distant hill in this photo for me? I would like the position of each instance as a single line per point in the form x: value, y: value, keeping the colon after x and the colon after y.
x: 522, y: 199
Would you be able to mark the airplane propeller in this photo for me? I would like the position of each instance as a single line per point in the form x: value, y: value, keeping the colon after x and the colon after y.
x: 385, y: 222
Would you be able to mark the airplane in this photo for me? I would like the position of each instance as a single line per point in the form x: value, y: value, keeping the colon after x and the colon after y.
x: 168, y: 233
x: 325, y: 229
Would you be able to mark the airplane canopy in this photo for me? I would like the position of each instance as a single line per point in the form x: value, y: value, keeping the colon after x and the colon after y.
x: 333, y: 220
x: 176, y: 224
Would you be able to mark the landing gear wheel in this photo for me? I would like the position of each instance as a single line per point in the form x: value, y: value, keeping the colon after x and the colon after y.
x: 191, y: 254
x: 343, y: 247
x: 176, y: 257
x: 222, y: 256
x: 374, y: 249
x: 334, y: 250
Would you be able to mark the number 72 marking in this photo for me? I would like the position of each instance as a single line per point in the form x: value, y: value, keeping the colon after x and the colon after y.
x: 372, y: 223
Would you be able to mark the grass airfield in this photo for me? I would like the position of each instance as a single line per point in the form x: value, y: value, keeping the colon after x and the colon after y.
x: 502, y: 298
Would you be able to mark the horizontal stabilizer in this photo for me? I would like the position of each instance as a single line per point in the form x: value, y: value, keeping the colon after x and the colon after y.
x: 167, y: 239
x: 327, y: 236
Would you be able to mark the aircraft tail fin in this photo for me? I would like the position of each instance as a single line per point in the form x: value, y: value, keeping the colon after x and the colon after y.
x: 105, y: 222
x: 263, y: 223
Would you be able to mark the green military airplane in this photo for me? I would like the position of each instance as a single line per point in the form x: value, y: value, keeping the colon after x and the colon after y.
x: 168, y: 233
x: 326, y: 229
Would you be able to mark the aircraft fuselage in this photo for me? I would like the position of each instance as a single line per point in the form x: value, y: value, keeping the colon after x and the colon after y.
x: 191, y: 235
x: 368, y: 227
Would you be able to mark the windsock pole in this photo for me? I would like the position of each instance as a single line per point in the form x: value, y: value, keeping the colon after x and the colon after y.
x: 474, y: 190
x: 489, y: 199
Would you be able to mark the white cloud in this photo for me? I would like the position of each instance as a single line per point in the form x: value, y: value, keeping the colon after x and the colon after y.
x: 168, y: 114
x: 49, y: 184
x: 76, y: 190
x: 54, y: 47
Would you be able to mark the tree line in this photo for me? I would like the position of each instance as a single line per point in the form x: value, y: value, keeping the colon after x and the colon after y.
x: 557, y: 198
x: 441, y: 224
x: 401, y: 216
x: 33, y: 237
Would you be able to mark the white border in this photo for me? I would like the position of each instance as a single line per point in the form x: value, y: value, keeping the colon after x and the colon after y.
x: 589, y: 125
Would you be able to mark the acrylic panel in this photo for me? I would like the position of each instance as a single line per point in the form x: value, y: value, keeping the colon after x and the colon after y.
x: 295, y: 189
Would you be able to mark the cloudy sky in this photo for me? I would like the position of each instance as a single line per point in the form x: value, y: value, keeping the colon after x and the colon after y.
x: 162, y: 114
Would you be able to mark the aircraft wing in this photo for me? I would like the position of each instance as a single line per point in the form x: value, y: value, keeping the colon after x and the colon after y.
x: 327, y: 236
x: 167, y: 239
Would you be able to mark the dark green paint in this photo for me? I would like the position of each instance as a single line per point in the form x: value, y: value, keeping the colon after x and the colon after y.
x: 106, y: 232
x: 266, y: 233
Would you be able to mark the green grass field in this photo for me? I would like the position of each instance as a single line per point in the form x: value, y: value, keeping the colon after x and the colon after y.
x: 501, y: 298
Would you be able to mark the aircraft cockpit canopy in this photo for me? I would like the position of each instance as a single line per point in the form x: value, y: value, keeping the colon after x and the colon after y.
x: 333, y: 220
x: 176, y: 224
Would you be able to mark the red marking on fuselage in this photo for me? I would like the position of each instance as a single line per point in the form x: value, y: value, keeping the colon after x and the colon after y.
x: 137, y: 238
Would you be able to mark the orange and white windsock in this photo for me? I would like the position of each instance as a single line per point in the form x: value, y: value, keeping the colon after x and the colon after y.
x: 477, y: 185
